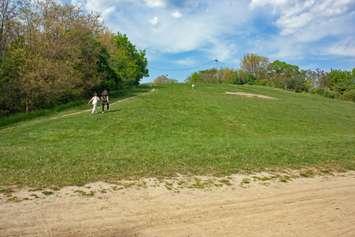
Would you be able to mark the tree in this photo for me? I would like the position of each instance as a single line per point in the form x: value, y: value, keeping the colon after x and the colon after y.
x: 340, y: 81
x: 129, y: 63
x: 255, y: 65
x: 62, y: 54
x: 287, y: 76
x: 10, y: 70
x: 9, y: 10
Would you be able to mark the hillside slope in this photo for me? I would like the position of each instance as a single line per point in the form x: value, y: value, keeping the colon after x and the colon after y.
x: 177, y: 129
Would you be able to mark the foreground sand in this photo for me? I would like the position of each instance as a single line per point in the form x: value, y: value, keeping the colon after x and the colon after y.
x: 319, y: 206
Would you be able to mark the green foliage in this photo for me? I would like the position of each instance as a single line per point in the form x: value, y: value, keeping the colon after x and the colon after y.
x: 129, y: 63
x: 296, y: 83
x: 180, y: 130
x: 10, y: 70
x: 337, y: 84
x: 280, y: 67
x: 286, y: 76
x: 325, y: 92
x: 110, y: 78
x: 340, y: 81
x: 349, y: 95
x: 245, y: 78
x: 214, y: 75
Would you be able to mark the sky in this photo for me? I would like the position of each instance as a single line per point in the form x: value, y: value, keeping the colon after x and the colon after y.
x: 183, y: 36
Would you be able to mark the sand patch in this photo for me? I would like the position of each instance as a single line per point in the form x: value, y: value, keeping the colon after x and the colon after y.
x: 318, y: 206
x: 251, y: 95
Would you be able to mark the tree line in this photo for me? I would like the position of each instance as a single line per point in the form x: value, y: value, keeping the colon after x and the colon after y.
x: 256, y: 69
x: 53, y: 53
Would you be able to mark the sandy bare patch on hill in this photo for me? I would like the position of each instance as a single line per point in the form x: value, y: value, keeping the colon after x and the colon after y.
x: 251, y: 95
x: 319, y: 206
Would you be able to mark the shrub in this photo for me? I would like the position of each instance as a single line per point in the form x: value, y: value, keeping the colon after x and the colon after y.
x: 340, y: 81
x: 296, y: 83
x: 349, y: 95
x: 244, y: 77
x: 325, y: 92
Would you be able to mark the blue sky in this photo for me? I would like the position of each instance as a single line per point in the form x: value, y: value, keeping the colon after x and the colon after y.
x: 182, y: 36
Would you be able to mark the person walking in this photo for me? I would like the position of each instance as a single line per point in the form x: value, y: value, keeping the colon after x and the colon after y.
x: 105, y: 101
x: 94, y: 100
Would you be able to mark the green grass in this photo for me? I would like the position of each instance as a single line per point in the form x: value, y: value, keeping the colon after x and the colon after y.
x: 179, y: 130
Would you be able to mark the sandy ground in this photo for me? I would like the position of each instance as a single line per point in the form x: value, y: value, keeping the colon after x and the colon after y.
x: 318, y: 206
x: 251, y: 95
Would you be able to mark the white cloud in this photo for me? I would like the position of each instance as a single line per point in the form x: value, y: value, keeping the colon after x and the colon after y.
x: 154, y: 25
x: 186, y: 62
x: 261, y: 3
x: 155, y: 3
x: 305, y: 27
x: 308, y: 20
x: 154, y: 21
x: 176, y: 14
x: 221, y: 50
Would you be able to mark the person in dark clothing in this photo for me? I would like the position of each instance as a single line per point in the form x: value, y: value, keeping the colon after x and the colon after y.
x: 105, y: 100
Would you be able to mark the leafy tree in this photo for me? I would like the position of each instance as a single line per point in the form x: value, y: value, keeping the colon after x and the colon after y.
x: 255, y: 65
x: 10, y: 70
x: 287, y: 76
x: 340, y: 81
x: 9, y: 10
x: 129, y: 63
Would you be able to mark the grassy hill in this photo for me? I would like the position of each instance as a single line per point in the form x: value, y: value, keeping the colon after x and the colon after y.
x: 176, y: 129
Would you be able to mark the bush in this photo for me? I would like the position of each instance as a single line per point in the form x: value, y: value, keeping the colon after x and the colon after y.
x: 296, y: 83
x: 340, y: 81
x: 245, y: 78
x: 349, y: 95
x: 325, y: 92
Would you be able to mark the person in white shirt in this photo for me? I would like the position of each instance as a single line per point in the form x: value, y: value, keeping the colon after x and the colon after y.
x: 94, y: 100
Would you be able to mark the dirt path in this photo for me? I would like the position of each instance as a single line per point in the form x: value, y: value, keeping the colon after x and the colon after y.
x: 320, y: 206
